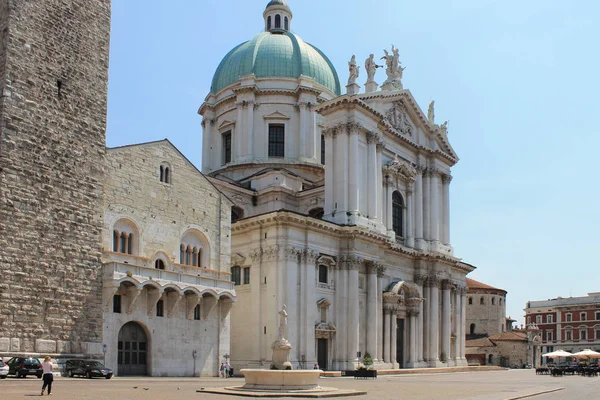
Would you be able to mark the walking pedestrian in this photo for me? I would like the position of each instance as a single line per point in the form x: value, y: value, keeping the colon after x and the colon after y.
x: 222, y: 369
x: 227, y: 368
x: 48, y: 377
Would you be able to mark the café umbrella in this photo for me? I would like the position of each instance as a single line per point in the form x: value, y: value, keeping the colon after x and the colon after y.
x: 587, y: 354
x: 557, y: 353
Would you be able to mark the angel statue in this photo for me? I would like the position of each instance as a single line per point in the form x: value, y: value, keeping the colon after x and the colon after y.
x: 394, y: 70
x: 353, y: 71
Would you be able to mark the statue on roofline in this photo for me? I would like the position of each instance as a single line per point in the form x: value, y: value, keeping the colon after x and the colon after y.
x: 354, y: 69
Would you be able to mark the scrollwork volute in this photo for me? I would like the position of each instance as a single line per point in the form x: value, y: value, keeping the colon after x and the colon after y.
x: 401, y: 169
x: 446, y: 178
x: 381, y: 270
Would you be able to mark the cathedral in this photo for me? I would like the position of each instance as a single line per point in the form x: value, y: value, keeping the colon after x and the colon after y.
x: 333, y: 201
x: 341, y: 208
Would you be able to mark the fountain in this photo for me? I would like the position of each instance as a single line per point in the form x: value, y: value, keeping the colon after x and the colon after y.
x: 281, y: 379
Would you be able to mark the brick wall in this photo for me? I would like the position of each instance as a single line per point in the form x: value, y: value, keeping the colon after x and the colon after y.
x: 54, y: 76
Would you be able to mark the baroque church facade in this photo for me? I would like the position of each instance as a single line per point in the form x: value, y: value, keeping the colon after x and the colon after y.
x: 341, y: 209
x: 335, y: 205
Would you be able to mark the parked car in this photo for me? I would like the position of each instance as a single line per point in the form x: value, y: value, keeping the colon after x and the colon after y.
x: 22, y: 366
x: 87, y: 368
x: 3, y: 369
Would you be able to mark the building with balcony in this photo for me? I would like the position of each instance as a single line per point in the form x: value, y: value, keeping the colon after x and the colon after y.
x: 566, y: 323
x: 166, y: 286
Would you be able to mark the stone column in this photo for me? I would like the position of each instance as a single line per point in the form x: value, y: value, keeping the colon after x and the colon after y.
x: 427, y: 205
x: 303, y: 131
x: 457, y: 325
x: 207, y: 154
x: 388, y: 205
x: 435, y: 207
x: 386, y: 335
x: 413, y: 339
x: 446, y: 328
x: 380, y: 327
x: 419, y: 207
x: 379, y: 181
x: 353, y: 310
x: 372, y: 174
x: 372, y: 333
x: 446, y: 179
x: 410, y: 238
x: 249, y: 156
x: 353, y: 189
x: 434, y: 318
x: 330, y: 135
x: 463, y: 312
x: 341, y: 175
x: 394, y: 334
x: 238, y: 137
x: 425, y: 322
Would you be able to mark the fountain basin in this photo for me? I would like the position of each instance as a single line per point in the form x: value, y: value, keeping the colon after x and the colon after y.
x: 263, y: 379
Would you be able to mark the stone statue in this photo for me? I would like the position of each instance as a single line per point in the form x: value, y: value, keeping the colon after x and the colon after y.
x: 431, y: 113
x: 371, y: 68
x: 393, y: 69
x: 444, y: 127
x: 282, y: 322
x: 353, y: 71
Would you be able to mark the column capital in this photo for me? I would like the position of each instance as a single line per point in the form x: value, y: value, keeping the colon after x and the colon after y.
x: 373, y: 137
x: 354, y: 127
x: 351, y: 263
x: 434, y: 281
x: 446, y: 178
x: 420, y: 279
x: 447, y: 284
x: 420, y: 168
x: 381, y: 270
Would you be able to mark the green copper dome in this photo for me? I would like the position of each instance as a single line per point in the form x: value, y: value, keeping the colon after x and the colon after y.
x: 280, y: 54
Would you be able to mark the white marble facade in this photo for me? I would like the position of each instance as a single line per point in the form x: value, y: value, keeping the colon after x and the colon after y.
x: 358, y: 247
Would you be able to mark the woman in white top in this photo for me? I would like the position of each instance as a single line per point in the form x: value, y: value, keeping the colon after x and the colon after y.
x: 48, y: 377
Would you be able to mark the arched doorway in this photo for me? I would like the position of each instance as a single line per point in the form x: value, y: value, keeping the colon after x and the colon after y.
x: 133, y: 350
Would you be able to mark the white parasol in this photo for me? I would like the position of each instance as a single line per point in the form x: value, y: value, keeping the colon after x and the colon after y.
x: 558, y: 353
x: 587, y: 353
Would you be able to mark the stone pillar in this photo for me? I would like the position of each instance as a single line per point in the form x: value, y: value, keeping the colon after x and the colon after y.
x: 372, y: 333
x: 446, y: 328
x: 207, y: 153
x: 446, y: 179
x: 394, y: 334
x: 303, y: 131
x: 410, y: 238
x: 412, y: 354
x: 379, y: 181
x: 463, y: 312
x: 457, y: 325
x: 386, y: 335
x: 426, y: 323
x: 353, y: 310
x: 380, y: 327
x: 372, y: 174
x: 353, y: 189
x: 434, y: 318
x: 435, y: 207
x: 427, y: 205
x: 388, y: 203
x: 419, y: 208
x: 238, y: 137
x: 330, y: 135
x: 249, y: 156
x: 341, y: 175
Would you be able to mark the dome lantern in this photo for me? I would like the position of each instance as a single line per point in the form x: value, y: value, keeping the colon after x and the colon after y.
x: 278, y: 16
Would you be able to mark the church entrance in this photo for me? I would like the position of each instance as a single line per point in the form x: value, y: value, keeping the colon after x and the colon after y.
x: 400, y: 342
x: 322, y: 354
x: 133, y: 350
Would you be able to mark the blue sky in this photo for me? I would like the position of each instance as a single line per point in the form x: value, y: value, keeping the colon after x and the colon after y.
x: 517, y: 80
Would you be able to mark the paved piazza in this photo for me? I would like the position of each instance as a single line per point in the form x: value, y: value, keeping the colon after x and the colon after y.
x: 496, y: 385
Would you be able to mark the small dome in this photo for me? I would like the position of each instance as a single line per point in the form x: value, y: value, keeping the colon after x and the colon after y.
x: 271, y: 54
x: 278, y: 3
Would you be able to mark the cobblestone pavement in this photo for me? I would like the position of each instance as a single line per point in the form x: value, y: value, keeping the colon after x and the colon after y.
x: 496, y: 385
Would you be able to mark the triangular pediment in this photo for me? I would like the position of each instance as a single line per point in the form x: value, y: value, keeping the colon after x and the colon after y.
x: 226, y: 124
x: 276, y: 115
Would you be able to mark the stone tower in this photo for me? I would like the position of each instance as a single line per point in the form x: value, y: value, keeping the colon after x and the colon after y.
x: 53, y: 95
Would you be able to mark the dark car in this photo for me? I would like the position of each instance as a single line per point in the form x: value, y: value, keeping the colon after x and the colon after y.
x: 87, y: 368
x: 21, y: 367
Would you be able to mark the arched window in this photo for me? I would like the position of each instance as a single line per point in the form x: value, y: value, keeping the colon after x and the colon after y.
x: 193, y: 250
x: 125, y: 237
x: 472, y: 329
x: 164, y: 173
x: 316, y: 213
x: 493, y: 301
x: 236, y: 214
x: 470, y: 300
x: 323, y: 149
x: 269, y: 23
x: 159, y: 264
x: 323, y: 274
x: 490, y: 359
x: 482, y: 301
x: 286, y: 24
x: 397, y: 213
x: 500, y: 301
x: 278, y: 21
